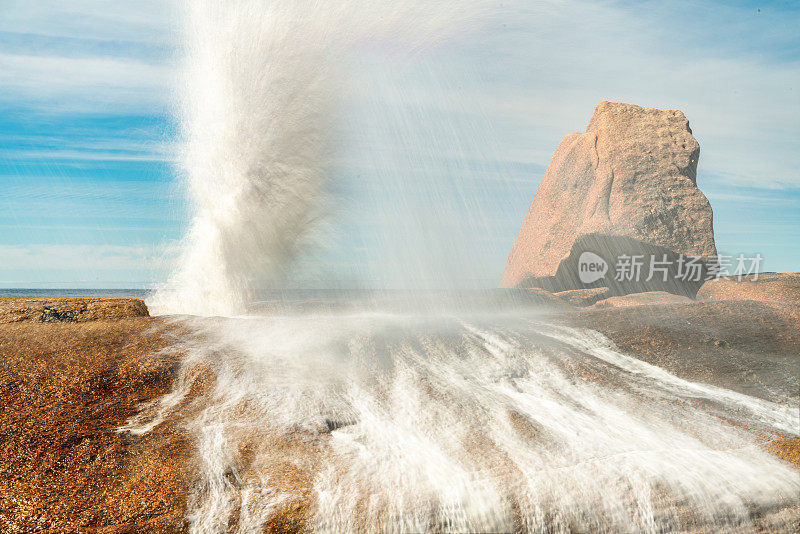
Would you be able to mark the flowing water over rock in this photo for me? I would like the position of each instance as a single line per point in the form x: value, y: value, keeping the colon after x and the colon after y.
x: 452, y: 421
x: 369, y: 417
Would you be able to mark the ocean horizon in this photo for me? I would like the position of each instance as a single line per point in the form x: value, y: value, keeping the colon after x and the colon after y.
x: 27, y: 292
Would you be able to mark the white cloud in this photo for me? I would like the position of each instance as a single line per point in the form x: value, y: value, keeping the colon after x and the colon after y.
x: 56, y: 73
x: 742, y: 107
x: 87, y: 258
x: 536, y: 71
x: 142, y: 20
x: 78, y: 155
x: 85, y: 84
x: 92, y: 266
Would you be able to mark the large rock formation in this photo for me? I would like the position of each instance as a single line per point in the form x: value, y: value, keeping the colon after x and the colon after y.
x: 631, y: 175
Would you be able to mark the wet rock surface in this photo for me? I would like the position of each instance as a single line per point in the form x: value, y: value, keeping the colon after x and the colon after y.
x: 68, y: 388
x: 649, y: 298
x: 745, y: 346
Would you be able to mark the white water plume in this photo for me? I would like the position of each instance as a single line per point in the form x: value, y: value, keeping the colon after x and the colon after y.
x: 259, y: 108
x: 369, y: 421
x: 385, y: 422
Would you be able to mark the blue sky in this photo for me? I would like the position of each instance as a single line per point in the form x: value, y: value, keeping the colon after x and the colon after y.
x: 439, y: 157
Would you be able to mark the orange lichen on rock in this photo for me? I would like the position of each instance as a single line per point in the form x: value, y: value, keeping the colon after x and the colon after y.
x: 787, y: 448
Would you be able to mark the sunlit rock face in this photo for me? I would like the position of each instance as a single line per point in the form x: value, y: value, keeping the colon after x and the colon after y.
x: 783, y: 288
x: 632, y: 174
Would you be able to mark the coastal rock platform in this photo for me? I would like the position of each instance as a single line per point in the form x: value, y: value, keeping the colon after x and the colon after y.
x: 74, y: 458
x: 70, y: 310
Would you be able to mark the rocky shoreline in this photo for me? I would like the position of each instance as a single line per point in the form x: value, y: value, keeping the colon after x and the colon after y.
x: 70, y: 385
x: 70, y: 310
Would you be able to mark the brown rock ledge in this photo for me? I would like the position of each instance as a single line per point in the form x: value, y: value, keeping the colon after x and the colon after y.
x: 648, y: 298
x: 66, y: 389
x: 70, y: 310
x: 584, y: 297
x: 766, y: 287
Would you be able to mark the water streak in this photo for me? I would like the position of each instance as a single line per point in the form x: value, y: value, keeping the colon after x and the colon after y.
x: 386, y: 422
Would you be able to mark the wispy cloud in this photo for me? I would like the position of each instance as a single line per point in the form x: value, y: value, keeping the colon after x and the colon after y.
x: 502, y: 95
x: 85, y: 155
x: 86, y: 56
x: 84, y: 265
x: 728, y: 70
x: 536, y: 70
x: 83, y: 85
x: 143, y: 20
x: 90, y: 258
